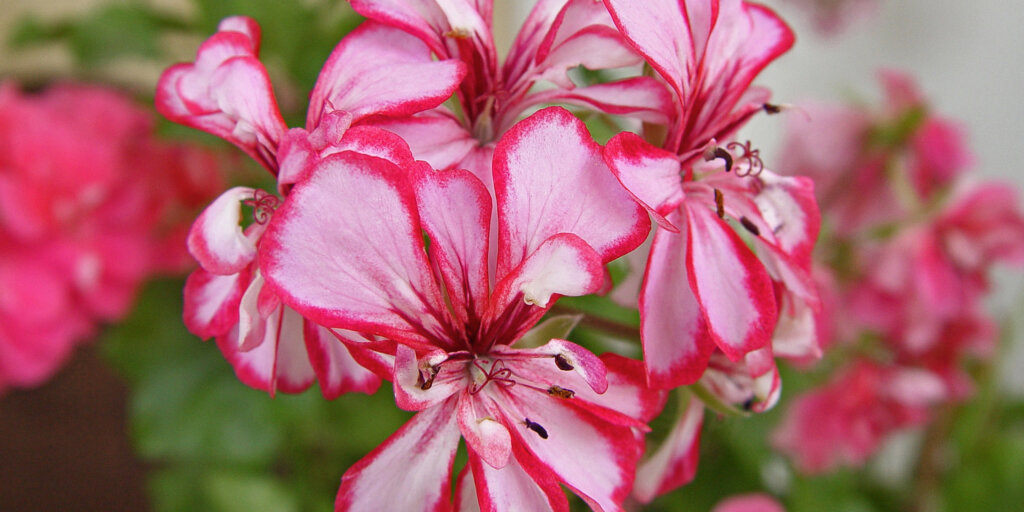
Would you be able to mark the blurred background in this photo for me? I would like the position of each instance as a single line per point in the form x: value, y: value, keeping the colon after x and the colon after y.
x: 144, y: 416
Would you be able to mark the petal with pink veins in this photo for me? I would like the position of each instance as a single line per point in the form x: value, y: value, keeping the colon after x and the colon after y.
x: 677, y: 345
x: 440, y: 140
x: 337, y: 371
x: 513, y: 487
x: 549, y: 177
x: 422, y: 451
x: 732, y: 287
x: 651, y: 175
x: 379, y: 70
x: 455, y: 210
x: 346, y: 250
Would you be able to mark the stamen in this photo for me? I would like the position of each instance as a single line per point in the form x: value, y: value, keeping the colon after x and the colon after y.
x: 497, y: 373
x: 748, y: 404
x: 772, y: 108
x: 719, y: 204
x: 751, y: 155
x: 563, y: 363
x: 457, y: 33
x: 263, y: 205
x: 426, y: 383
x: 747, y: 223
x: 561, y: 392
x: 719, y: 152
x: 541, y: 431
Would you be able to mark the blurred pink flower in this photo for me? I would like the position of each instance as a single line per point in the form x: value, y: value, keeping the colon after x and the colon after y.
x: 90, y: 206
x: 832, y: 17
x: 844, y: 422
x: 749, y: 503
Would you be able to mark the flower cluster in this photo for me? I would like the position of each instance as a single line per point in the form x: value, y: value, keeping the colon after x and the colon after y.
x: 425, y: 222
x: 91, y: 204
x: 906, y: 264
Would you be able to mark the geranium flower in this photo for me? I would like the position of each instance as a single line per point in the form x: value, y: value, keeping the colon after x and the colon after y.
x: 400, y: 253
x: 91, y: 205
x: 374, y: 71
x: 557, y: 36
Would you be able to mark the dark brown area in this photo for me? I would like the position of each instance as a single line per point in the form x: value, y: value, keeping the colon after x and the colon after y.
x: 65, y: 445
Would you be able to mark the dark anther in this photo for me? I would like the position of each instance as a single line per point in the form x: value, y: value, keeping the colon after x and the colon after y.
x: 719, y: 152
x: 747, y: 223
x: 561, y: 392
x: 263, y: 204
x: 748, y: 404
x: 563, y: 363
x: 751, y: 155
x: 536, y: 428
x: 426, y: 382
x: 772, y: 108
x: 719, y: 204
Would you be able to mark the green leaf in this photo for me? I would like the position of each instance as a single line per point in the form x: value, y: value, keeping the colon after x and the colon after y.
x: 112, y: 32
x: 558, y: 326
x: 234, y: 492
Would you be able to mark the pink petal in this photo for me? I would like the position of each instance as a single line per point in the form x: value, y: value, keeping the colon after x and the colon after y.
x: 455, y: 210
x: 789, y: 207
x: 440, y: 140
x: 749, y: 503
x: 651, y: 175
x: 216, y: 239
x: 590, y: 456
x: 550, y: 178
x: 379, y: 70
x: 642, y: 98
x: 211, y: 302
x: 658, y: 30
x: 337, y: 371
x: 435, y: 22
x: 673, y: 329
x: 279, y: 361
x: 513, y: 487
x: 562, y: 265
x: 570, y: 357
x: 674, y: 464
x: 422, y: 452
x: 731, y: 285
x: 484, y: 434
x: 346, y: 250
x: 226, y: 92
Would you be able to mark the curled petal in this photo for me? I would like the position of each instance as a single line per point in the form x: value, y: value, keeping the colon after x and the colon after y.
x: 279, y: 361
x: 216, y: 239
x: 211, y: 302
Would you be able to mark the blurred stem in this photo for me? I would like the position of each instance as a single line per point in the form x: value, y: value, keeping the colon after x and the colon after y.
x: 932, y: 462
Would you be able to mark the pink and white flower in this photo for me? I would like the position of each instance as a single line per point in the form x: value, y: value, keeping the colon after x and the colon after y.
x: 401, y: 253
x: 557, y: 36
x: 375, y: 71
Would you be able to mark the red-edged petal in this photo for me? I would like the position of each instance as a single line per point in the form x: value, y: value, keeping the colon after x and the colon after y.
x: 455, y: 210
x: 485, y: 435
x: 211, y: 302
x: 673, y: 329
x: 563, y: 265
x: 549, y: 178
x: 674, y: 464
x: 379, y: 70
x: 346, y: 250
x: 438, y: 139
x: 337, y: 371
x: 790, y: 209
x: 732, y: 286
x: 216, y: 239
x: 651, y: 175
x: 226, y: 92
x: 514, y: 487
x: 641, y: 98
x: 279, y: 361
x: 594, y: 458
x: 411, y: 470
